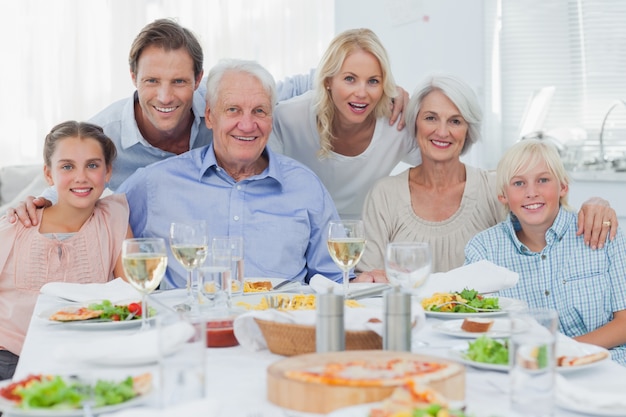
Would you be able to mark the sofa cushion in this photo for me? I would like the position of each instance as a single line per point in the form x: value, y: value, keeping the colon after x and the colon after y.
x: 16, y: 179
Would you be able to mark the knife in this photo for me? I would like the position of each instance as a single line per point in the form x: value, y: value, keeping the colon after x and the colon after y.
x: 367, y: 292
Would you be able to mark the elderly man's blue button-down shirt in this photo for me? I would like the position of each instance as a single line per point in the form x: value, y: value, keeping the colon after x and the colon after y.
x: 281, y: 213
x: 585, y: 286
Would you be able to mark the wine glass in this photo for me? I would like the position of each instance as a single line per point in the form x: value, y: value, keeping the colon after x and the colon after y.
x: 189, y: 243
x: 346, y: 241
x: 145, y: 262
x: 408, y: 264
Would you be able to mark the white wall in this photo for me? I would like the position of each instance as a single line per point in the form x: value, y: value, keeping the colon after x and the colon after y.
x: 425, y: 36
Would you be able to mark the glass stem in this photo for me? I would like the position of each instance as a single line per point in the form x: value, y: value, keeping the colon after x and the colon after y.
x: 189, y: 282
x: 346, y: 283
x: 144, y: 312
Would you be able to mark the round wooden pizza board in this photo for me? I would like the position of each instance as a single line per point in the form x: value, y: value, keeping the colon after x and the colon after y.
x: 319, y: 398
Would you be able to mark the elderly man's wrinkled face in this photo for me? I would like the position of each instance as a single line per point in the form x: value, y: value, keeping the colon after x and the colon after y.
x: 241, y: 120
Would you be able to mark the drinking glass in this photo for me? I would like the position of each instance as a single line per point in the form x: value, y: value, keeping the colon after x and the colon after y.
x: 532, y: 361
x: 235, y: 245
x: 346, y: 241
x: 189, y: 243
x: 214, y: 279
x: 145, y: 262
x: 408, y: 264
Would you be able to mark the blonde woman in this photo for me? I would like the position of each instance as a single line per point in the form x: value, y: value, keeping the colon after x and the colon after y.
x: 342, y: 129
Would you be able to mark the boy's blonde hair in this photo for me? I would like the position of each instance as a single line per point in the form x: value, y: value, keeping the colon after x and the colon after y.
x: 525, y: 155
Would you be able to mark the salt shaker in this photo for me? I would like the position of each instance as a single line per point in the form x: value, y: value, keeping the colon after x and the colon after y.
x: 397, y: 320
x: 329, y: 333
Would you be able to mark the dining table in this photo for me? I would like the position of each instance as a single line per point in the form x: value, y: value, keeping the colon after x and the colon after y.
x: 236, y: 376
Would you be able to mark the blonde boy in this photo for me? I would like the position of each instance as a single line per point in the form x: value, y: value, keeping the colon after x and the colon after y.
x: 538, y: 240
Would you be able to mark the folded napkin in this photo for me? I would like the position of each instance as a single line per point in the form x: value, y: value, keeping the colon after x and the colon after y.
x: 321, y: 285
x: 208, y: 407
x: 249, y: 334
x: 482, y: 276
x: 141, y: 347
x: 574, y: 395
x: 116, y: 290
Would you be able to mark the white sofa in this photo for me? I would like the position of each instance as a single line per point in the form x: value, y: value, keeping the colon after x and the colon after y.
x: 19, y: 181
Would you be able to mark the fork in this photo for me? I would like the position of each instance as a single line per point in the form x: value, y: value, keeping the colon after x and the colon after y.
x: 468, y: 306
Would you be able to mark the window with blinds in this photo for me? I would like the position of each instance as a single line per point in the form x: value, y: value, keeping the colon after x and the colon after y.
x: 577, y: 46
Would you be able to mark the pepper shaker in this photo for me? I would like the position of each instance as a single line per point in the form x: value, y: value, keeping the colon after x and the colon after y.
x: 397, y: 320
x: 329, y: 332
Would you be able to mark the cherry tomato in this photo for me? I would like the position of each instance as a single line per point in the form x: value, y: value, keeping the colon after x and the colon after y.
x: 134, y: 308
x: 115, y: 317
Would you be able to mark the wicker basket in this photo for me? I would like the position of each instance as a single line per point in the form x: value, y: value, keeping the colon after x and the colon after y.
x: 296, y: 339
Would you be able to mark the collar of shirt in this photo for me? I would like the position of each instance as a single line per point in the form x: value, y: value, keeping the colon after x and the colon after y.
x: 209, y: 166
x: 554, y: 233
x: 129, y: 123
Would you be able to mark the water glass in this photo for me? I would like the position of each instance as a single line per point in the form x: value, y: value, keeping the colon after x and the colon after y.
x: 214, y: 277
x: 182, y: 362
x: 235, y: 244
x: 532, y: 361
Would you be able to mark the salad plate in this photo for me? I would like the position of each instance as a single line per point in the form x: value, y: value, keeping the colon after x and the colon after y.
x: 11, y: 409
x: 501, y: 328
x: 570, y: 349
x: 91, y: 324
x: 506, y: 305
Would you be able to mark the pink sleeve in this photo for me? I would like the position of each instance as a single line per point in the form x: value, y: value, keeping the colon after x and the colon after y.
x: 8, y: 232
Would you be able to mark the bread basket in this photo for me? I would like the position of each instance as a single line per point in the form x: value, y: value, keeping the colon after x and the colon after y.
x: 295, y: 339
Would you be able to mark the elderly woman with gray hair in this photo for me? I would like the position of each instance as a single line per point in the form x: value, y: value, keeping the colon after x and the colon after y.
x: 442, y: 201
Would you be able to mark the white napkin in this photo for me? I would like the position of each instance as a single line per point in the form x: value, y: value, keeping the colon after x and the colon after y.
x: 322, y: 285
x: 482, y: 276
x: 208, y: 407
x: 573, y: 394
x: 115, y: 290
x: 249, y: 334
x: 127, y: 349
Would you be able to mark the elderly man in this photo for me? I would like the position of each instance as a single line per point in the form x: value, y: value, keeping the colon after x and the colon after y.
x: 239, y: 186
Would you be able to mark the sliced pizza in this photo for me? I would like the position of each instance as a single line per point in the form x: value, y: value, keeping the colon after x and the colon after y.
x: 76, y: 314
x: 366, y: 373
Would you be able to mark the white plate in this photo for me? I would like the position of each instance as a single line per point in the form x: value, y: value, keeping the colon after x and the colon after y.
x: 9, y: 408
x: 363, y: 410
x: 574, y: 349
x: 90, y: 324
x: 506, y: 305
x: 500, y: 328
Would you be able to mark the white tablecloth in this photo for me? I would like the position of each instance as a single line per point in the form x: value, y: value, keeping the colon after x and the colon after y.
x: 237, y: 377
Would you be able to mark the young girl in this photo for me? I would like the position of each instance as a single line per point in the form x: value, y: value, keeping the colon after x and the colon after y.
x: 78, y: 240
x: 557, y: 270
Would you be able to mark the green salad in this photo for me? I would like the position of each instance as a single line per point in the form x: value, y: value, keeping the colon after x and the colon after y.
x: 115, y: 312
x: 488, y: 350
x: 458, y: 302
x: 58, y: 393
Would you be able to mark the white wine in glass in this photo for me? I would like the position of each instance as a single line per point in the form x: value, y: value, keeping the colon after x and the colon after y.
x: 145, y: 262
x: 189, y: 244
x: 346, y: 241
x: 408, y: 264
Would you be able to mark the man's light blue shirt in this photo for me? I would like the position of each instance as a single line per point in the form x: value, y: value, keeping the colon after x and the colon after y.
x: 281, y: 213
x: 584, y: 285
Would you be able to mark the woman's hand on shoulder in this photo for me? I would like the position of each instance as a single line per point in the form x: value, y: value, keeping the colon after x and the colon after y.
x: 596, y: 220
x: 398, y: 104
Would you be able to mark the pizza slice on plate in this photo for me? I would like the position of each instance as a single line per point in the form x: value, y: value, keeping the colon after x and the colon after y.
x: 75, y: 314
